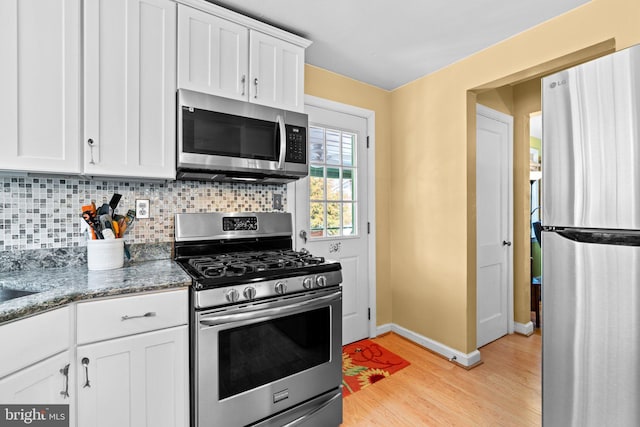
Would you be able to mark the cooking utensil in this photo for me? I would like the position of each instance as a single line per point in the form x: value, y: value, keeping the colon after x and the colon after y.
x: 103, y: 210
x: 89, y: 215
x: 128, y: 222
x: 113, y: 203
x: 106, y: 222
x: 116, y: 228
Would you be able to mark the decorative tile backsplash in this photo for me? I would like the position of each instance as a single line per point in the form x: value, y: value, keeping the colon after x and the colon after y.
x: 44, y: 212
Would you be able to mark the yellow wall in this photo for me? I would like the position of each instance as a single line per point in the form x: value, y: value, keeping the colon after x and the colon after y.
x: 425, y: 169
x: 433, y: 168
x: 328, y: 85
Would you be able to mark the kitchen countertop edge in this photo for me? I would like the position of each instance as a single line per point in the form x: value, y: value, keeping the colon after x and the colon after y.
x: 59, y: 287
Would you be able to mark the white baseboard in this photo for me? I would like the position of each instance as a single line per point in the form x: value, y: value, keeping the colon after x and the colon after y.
x: 464, y: 359
x: 383, y: 329
x: 523, y: 328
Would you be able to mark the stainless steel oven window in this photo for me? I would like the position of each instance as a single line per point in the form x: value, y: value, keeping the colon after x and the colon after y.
x: 257, y: 354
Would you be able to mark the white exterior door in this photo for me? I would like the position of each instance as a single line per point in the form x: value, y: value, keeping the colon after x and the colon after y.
x: 331, y: 208
x: 494, y: 280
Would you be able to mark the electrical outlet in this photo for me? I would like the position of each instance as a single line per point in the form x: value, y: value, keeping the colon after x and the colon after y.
x: 142, y: 208
x: 277, y: 202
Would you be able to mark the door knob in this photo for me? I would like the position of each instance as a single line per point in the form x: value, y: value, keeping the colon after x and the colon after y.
x: 303, y: 235
x: 506, y: 243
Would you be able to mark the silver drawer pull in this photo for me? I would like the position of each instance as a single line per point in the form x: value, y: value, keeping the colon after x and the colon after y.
x: 147, y: 314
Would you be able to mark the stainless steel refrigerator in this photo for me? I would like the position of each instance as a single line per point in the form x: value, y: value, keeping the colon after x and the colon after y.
x: 591, y: 243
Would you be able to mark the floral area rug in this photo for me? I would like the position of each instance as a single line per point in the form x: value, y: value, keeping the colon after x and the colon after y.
x: 364, y: 363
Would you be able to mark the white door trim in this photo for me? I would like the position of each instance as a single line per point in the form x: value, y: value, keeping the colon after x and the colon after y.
x: 508, y: 120
x: 370, y: 117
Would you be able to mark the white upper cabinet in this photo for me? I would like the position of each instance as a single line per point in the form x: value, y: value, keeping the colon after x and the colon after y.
x: 213, y: 54
x: 129, y: 88
x: 226, y: 54
x: 40, y: 85
x: 277, y: 72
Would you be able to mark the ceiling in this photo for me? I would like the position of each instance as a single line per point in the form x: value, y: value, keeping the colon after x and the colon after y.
x: 390, y: 43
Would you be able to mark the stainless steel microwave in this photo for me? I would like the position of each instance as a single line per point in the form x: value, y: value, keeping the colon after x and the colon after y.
x: 222, y: 139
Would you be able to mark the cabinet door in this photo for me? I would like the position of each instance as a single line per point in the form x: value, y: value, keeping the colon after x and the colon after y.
x: 277, y: 72
x: 213, y: 54
x: 42, y: 383
x: 129, y: 60
x: 40, y: 85
x: 139, y: 380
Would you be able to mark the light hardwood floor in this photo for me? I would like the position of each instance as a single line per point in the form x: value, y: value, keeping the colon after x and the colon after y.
x: 504, y: 391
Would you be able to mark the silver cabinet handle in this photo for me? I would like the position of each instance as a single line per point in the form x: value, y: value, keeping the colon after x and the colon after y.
x: 65, y: 371
x: 243, y: 80
x: 91, y: 144
x: 255, y: 82
x: 303, y: 235
x: 147, y: 314
x: 506, y: 243
x: 85, y: 363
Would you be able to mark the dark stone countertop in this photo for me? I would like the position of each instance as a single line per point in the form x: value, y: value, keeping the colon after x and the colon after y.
x: 56, y: 287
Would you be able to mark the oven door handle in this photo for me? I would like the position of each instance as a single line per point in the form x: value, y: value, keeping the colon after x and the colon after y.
x: 257, y: 313
x: 283, y: 141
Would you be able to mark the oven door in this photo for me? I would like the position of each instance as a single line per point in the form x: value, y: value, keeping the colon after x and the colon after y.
x: 255, y: 361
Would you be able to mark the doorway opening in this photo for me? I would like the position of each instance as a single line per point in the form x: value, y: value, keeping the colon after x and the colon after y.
x: 518, y: 95
x: 535, y: 208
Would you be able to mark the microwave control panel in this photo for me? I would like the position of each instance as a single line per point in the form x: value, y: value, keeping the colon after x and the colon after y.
x: 296, y: 144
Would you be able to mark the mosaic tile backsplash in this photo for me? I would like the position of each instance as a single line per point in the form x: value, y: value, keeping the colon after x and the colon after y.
x: 44, y: 212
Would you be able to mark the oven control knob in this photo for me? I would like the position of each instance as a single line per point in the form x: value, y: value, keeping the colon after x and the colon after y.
x: 249, y: 293
x: 232, y: 295
x: 321, y: 281
x: 281, y: 288
x: 307, y: 283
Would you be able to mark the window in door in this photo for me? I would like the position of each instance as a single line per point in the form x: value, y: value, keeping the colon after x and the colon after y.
x: 332, y: 181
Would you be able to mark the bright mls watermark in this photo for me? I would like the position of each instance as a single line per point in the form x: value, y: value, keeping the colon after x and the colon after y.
x: 34, y: 415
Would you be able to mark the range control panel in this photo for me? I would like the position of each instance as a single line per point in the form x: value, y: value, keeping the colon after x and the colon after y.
x: 239, y: 223
x: 296, y: 144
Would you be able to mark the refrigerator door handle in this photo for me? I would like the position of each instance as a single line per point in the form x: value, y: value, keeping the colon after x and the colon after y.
x: 603, y: 237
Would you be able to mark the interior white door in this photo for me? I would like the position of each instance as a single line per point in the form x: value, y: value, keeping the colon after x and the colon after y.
x: 493, y: 213
x: 331, y: 208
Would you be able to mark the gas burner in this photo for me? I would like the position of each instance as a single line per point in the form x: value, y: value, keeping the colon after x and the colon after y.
x: 236, y: 264
x: 216, y: 255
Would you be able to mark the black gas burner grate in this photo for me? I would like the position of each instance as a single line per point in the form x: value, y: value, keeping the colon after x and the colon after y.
x: 241, y: 263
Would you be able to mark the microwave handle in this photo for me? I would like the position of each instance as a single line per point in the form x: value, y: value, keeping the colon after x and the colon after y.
x: 283, y: 141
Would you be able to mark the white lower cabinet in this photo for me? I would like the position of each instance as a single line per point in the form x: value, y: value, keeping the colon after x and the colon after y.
x: 36, y: 363
x: 46, y: 382
x: 127, y: 366
x: 132, y: 361
x: 140, y: 380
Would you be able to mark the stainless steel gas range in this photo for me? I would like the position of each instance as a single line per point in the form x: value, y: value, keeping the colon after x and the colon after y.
x: 266, y: 323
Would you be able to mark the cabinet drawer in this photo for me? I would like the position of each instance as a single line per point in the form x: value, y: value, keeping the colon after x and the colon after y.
x: 32, y: 339
x: 117, y: 317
